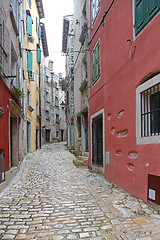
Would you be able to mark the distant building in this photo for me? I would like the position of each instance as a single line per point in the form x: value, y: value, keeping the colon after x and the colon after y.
x: 33, y: 13
x: 53, y: 114
x: 81, y: 74
x: 11, y: 89
x: 67, y: 48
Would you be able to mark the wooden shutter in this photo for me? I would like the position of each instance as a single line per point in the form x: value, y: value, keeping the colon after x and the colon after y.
x: 140, y: 14
x: 29, y: 25
x: 144, y: 11
x: 30, y: 60
x: 153, y: 7
x: 39, y: 32
x: 38, y: 54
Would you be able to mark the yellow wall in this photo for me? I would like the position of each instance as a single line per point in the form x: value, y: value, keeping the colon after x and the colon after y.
x: 32, y: 85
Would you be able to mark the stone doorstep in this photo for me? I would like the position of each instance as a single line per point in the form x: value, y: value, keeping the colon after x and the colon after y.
x: 82, y: 158
x: 80, y: 162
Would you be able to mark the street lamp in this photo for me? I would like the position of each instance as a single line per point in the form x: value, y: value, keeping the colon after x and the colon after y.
x: 62, y: 105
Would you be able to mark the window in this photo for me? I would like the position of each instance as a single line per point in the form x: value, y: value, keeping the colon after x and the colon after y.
x: 37, y: 108
x: 38, y: 54
x: 95, y: 9
x: 37, y: 79
x: 148, y: 111
x: 144, y: 12
x: 39, y: 32
x: 29, y: 25
x: 29, y: 60
x: 47, y: 78
x: 57, y: 117
x: 37, y: 24
x: 28, y: 97
x: 47, y: 96
x: 96, y: 62
x: 47, y: 115
x: 56, y: 101
x: 30, y: 3
x: 79, y: 126
x: 57, y: 134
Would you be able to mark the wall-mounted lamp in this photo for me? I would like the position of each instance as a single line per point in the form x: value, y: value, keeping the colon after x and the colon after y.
x: 1, y: 112
x: 62, y: 105
x: 77, y: 22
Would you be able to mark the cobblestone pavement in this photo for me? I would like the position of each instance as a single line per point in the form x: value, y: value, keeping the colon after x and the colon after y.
x: 52, y: 199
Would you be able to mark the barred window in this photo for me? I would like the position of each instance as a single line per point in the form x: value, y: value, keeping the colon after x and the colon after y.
x: 150, y: 111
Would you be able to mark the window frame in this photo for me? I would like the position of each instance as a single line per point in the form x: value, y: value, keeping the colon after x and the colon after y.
x: 140, y: 89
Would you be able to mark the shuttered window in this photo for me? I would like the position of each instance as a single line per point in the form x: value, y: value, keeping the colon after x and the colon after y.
x: 96, y: 62
x: 38, y: 54
x: 29, y: 25
x: 39, y: 32
x: 144, y: 12
x: 30, y: 60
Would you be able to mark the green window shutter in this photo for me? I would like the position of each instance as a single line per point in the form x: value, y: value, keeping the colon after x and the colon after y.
x: 96, y: 62
x: 153, y: 7
x: 98, y: 59
x: 30, y: 60
x: 144, y: 11
x: 39, y: 32
x: 140, y: 14
x: 38, y: 54
x: 29, y: 25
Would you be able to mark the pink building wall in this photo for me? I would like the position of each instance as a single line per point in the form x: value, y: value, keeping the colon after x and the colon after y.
x: 124, y: 64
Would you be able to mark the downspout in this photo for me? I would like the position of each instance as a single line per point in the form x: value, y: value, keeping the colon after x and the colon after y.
x: 40, y: 115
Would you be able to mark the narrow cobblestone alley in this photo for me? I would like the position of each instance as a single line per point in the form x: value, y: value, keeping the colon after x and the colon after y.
x: 52, y: 199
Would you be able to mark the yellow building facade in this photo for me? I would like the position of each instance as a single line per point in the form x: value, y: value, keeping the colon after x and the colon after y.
x: 33, y: 12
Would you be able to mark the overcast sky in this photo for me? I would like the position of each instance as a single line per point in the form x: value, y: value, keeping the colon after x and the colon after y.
x: 54, y: 12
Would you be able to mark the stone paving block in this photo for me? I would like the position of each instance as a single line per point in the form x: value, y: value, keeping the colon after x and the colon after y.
x: 8, y: 236
x: 84, y: 235
x: 62, y: 202
x: 71, y: 236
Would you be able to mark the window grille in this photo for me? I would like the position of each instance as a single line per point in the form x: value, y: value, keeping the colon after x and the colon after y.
x: 150, y: 111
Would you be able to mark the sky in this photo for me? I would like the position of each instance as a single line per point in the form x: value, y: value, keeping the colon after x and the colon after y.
x: 54, y: 12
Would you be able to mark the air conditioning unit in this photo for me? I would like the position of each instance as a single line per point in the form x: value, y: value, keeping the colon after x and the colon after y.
x: 31, y: 75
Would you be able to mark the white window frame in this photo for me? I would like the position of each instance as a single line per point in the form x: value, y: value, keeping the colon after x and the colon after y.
x: 141, y: 88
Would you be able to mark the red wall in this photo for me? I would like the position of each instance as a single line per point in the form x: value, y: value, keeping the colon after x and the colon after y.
x: 116, y: 91
x: 4, y: 122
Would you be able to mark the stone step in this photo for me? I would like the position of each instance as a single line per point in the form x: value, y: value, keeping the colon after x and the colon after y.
x: 85, y: 154
x: 82, y: 158
x: 80, y: 162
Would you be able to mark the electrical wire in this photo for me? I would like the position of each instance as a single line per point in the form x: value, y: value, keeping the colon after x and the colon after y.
x: 105, y: 14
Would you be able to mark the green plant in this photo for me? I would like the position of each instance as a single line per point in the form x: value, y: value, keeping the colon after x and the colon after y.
x: 19, y: 93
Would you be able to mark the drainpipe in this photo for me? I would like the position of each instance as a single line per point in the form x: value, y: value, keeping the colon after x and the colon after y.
x: 40, y: 106
x: 40, y: 120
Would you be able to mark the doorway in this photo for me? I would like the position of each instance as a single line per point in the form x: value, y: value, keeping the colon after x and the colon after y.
x: 48, y: 135
x: 61, y: 135
x: 13, y: 141
x: 36, y: 138
x: 97, y: 140
x: 28, y: 136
